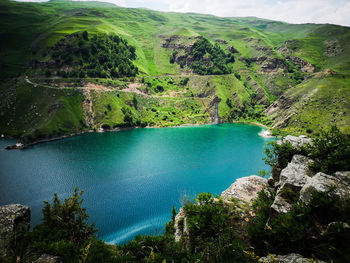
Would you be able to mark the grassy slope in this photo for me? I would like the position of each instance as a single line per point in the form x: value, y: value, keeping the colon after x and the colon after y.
x: 28, y: 28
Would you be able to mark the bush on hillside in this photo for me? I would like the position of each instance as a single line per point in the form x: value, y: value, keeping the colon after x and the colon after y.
x: 99, y: 55
x: 331, y: 151
x: 207, y: 59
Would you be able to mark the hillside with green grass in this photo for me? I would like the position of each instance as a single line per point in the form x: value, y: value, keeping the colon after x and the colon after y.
x: 69, y: 67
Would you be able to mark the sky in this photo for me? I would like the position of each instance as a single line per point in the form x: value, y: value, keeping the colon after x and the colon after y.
x: 292, y: 11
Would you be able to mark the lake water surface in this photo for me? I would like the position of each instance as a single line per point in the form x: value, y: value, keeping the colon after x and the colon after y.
x: 131, y: 179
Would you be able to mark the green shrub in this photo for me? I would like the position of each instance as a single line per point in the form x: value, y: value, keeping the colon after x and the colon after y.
x: 331, y: 151
x: 279, y: 155
x: 64, y: 229
x: 301, y: 230
x: 99, y: 55
x: 211, y: 231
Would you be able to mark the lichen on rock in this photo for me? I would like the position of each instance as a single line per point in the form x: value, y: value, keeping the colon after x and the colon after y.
x: 12, y: 216
x: 245, y: 188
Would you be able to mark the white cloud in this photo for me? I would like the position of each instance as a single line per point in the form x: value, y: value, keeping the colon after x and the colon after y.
x: 292, y: 11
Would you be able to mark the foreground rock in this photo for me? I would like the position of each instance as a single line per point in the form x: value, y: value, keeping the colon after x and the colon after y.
x: 296, y: 174
x: 323, y: 182
x: 47, y: 259
x: 290, y: 258
x: 291, y: 180
x: 245, y: 189
x: 297, y: 142
x: 180, y: 225
x: 11, y: 218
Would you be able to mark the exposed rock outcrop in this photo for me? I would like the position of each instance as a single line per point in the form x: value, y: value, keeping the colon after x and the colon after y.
x: 11, y: 218
x: 290, y: 258
x: 268, y: 65
x: 180, y: 225
x: 297, y: 182
x: 45, y: 258
x: 289, y: 47
x: 178, y: 43
x: 291, y: 180
x: 232, y: 49
x: 297, y: 142
x: 245, y: 188
x: 323, y: 182
x: 296, y: 173
x: 302, y: 64
x: 333, y: 48
x: 221, y: 41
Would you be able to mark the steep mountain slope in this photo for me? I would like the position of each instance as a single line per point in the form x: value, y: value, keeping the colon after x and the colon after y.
x: 307, y: 65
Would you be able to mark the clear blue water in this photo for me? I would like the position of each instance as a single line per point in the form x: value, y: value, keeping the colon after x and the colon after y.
x: 131, y: 179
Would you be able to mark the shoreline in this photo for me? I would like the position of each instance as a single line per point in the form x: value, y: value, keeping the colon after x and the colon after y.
x: 20, y: 146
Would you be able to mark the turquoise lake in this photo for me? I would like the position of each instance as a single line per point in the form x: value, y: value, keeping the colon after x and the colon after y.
x: 131, y: 179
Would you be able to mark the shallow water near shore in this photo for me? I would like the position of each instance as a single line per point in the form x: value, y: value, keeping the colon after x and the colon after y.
x: 131, y: 179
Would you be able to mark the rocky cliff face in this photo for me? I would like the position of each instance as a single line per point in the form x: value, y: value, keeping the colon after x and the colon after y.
x: 294, y: 183
x: 11, y: 218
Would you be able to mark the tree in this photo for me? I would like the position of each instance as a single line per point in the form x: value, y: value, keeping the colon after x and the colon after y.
x: 65, y: 221
x: 85, y: 35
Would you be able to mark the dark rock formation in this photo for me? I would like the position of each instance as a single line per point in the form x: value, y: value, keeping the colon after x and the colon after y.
x: 289, y: 47
x: 221, y: 41
x: 266, y: 50
x: 12, y: 217
x: 333, y: 48
x: 178, y: 43
x: 268, y: 64
x: 302, y: 64
x: 232, y: 49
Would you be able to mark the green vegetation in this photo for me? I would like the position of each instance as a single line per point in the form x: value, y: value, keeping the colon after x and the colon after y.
x: 100, y: 55
x: 216, y: 231
x: 330, y: 152
x: 292, y: 232
x: 66, y: 45
x: 210, y: 59
x: 65, y: 232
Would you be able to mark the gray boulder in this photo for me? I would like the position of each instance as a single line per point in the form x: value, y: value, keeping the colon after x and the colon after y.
x: 323, y: 182
x: 292, y: 179
x: 290, y: 258
x: 297, y: 142
x: 245, y: 189
x: 11, y: 217
x: 45, y: 258
x: 296, y: 173
x: 280, y: 205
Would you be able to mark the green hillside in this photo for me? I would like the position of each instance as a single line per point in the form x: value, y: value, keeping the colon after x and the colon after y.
x: 172, y: 69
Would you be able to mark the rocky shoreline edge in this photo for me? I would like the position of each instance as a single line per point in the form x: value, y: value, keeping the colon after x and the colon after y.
x: 297, y: 177
x: 21, y: 146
